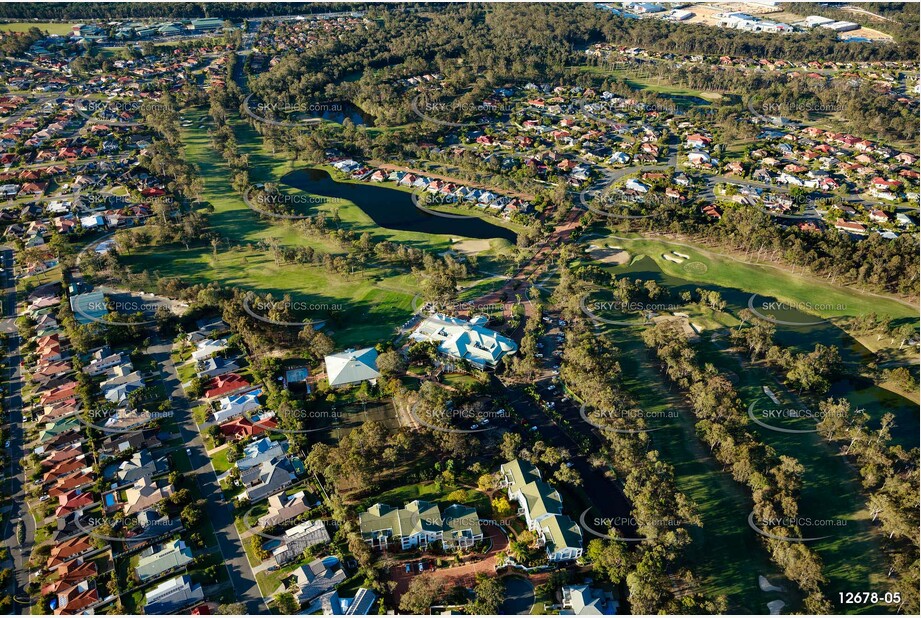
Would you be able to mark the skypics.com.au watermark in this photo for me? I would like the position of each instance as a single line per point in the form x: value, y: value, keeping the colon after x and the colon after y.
x: 256, y: 307
x: 120, y: 421
x: 612, y: 420
x: 761, y: 417
x: 800, y: 307
x: 793, y: 523
x: 270, y: 420
x: 452, y: 113
x: 266, y: 112
x: 592, y: 308
x: 100, y: 310
x: 462, y: 419
x: 595, y: 525
x: 268, y: 204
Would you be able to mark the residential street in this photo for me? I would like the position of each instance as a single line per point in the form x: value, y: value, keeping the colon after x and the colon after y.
x: 15, y: 477
x: 219, y: 512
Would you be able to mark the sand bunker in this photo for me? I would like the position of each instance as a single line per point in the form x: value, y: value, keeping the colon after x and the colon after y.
x: 672, y: 258
x: 775, y: 606
x: 609, y: 255
x: 471, y: 246
x: 767, y: 586
x: 681, y: 255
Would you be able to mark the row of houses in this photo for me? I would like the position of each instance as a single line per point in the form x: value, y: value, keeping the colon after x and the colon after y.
x: 134, y: 476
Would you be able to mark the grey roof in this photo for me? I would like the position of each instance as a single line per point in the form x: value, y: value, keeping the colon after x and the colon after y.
x: 352, y: 366
x: 157, y: 560
x: 267, y: 478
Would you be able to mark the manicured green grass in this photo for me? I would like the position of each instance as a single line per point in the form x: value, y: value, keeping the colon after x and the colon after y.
x: 431, y: 492
x: 219, y: 461
x: 25, y: 26
x: 852, y: 553
x: 830, y: 300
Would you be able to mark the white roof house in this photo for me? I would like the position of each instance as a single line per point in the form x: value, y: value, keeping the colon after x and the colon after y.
x: 208, y: 347
x: 237, y: 405
x: 470, y: 341
x: 260, y: 451
x: 352, y: 367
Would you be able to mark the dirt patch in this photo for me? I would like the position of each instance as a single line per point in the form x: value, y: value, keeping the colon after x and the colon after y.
x: 609, y: 255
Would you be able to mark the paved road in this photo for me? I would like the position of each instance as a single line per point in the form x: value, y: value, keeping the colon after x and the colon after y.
x: 219, y: 512
x: 16, y: 477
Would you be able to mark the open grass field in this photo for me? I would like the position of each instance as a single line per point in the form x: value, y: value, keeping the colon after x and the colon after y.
x: 50, y: 28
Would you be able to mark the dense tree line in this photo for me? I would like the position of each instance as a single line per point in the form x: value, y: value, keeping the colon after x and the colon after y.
x: 774, y: 481
x: 890, y: 478
x: 590, y: 368
x: 861, y: 108
x: 888, y: 472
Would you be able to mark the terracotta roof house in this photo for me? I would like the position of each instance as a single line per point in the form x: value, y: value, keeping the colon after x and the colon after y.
x: 70, y: 573
x: 222, y: 385
x: 68, y: 550
x: 240, y: 428
x: 72, y: 501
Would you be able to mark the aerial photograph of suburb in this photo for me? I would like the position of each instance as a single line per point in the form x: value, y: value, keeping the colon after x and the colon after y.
x: 460, y: 308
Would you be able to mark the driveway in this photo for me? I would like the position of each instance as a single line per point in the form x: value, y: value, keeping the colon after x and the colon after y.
x: 519, y: 596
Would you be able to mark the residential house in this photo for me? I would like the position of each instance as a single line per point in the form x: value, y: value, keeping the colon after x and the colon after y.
x: 269, y: 477
x: 352, y: 367
x: 237, y: 405
x: 298, y: 538
x: 316, y: 578
x: 255, y: 453
x: 155, y: 561
x: 144, y: 494
x: 283, y: 508
x: 584, y: 600
x: 224, y: 385
x: 241, y: 428
x: 173, y: 595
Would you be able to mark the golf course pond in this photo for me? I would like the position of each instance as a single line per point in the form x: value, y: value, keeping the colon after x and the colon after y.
x: 390, y: 208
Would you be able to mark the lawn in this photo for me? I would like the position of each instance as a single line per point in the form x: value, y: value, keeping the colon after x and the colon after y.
x: 432, y: 492
x: 50, y: 28
x: 219, y: 461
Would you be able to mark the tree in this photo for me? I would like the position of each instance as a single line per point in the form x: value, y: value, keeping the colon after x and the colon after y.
x: 511, y: 445
x: 231, y: 609
x: 610, y: 559
x: 502, y: 507
x: 286, y: 604
x: 424, y: 590
x: 490, y: 593
x: 390, y: 363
